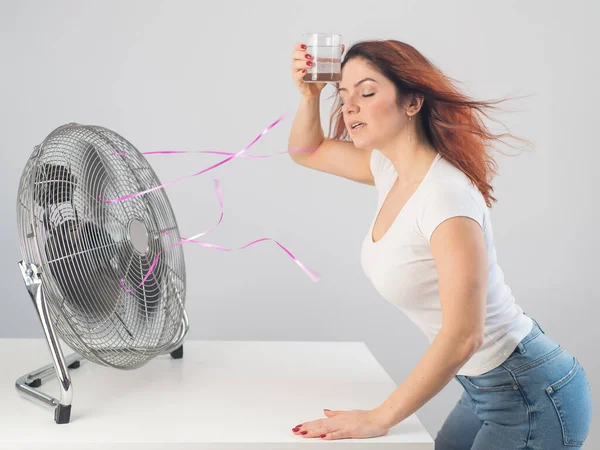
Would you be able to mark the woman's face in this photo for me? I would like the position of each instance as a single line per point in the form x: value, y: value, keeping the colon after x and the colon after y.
x: 372, y: 102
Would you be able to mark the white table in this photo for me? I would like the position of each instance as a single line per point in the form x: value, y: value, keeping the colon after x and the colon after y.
x: 221, y: 395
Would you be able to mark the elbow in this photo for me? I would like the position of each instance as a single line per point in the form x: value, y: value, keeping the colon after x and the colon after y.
x: 472, y: 343
x: 467, y: 343
x: 476, y: 342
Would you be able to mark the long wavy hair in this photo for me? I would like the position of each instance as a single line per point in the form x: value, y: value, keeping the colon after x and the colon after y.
x: 453, y: 122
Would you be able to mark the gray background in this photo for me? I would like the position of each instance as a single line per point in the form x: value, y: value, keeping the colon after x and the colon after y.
x: 200, y: 76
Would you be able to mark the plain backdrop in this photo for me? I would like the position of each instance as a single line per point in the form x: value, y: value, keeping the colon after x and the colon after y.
x: 212, y: 75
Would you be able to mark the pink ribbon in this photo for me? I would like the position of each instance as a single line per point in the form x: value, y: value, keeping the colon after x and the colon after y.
x: 234, y: 155
x: 214, y: 152
x: 311, y: 273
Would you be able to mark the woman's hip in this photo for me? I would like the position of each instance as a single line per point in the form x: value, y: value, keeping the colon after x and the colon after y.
x: 541, y: 390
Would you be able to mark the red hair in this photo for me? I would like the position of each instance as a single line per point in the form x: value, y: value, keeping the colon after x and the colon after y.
x: 451, y: 120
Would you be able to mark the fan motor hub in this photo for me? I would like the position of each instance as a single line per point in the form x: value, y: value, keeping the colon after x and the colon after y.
x: 138, y: 236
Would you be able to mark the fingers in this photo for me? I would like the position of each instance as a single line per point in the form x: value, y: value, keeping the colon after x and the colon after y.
x: 302, y: 56
x: 318, y: 431
x: 300, y: 47
x: 301, y: 59
x: 312, y: 429
x: 298, y: 77
x: 336, y: 435
x: 300, y: 62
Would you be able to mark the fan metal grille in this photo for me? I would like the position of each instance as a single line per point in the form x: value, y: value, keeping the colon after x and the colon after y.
x: 85, y: 246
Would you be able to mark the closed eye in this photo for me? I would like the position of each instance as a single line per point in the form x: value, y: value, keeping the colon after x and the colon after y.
x: 366, y: 95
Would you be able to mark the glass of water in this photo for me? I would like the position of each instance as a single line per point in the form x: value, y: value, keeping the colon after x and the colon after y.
x: 326, y: 51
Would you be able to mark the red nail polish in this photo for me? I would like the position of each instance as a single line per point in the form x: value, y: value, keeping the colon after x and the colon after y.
x: 309, y: 63
x: 323, y: 435
x: 303, y: 47
x: 303, y: 70
x: 304, y: 432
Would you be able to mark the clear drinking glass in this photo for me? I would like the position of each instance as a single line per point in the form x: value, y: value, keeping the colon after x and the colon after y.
x: 326, y: 51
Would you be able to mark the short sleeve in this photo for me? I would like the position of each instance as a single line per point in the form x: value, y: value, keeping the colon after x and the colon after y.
x: 447, y: 200
x: 381, y: 168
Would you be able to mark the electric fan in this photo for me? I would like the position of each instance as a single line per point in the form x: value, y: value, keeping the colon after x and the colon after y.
x: 85, y: 259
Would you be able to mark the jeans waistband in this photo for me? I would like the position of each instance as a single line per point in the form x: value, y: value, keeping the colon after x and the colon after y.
x: 536, y: 330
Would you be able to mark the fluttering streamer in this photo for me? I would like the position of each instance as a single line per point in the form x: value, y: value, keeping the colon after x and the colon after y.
x: 311, y: 273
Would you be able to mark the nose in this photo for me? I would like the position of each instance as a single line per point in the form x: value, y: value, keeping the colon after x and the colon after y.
x: 350, y: 107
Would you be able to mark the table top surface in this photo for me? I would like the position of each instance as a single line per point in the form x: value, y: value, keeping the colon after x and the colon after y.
x: 221, y: 394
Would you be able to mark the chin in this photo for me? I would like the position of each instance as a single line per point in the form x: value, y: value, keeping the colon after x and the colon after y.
x: 363, y: 143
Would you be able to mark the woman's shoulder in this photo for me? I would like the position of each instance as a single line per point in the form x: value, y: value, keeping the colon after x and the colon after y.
x: 449, y: 196
x: 446, y: 176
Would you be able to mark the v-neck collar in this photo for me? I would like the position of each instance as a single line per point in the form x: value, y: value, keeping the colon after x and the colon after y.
x: 373, y: 242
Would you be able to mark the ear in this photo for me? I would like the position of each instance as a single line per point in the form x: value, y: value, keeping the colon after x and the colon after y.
x: 416, y: 102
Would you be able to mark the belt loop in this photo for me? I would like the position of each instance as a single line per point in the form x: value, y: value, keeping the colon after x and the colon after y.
x: 541, y: 329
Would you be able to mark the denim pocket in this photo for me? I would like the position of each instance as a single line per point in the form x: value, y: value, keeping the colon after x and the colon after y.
x: 571, y: 396
x: 498, y: 379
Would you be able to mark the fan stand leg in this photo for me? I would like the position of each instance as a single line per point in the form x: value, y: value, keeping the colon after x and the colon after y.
x: 177, y: 353
x: 27, y: 383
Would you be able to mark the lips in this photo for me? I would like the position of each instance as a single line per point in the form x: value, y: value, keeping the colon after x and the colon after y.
x: 357, y: 126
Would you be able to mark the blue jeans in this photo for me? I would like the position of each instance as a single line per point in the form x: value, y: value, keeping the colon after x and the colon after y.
x: 539, y: 398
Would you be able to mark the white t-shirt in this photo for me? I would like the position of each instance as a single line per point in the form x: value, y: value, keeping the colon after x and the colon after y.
x: 402, y: 269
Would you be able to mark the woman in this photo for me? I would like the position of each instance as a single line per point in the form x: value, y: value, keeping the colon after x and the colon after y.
x: 430, y: 252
